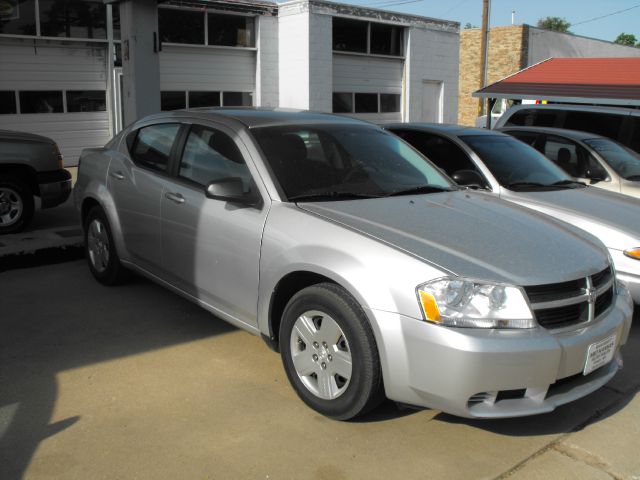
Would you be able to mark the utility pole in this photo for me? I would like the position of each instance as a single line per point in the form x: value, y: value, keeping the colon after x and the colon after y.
x: 484, y: 49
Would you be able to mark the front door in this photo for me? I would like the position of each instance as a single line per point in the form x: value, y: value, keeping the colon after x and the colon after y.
x: 211, y: 248
x: 431, y: 101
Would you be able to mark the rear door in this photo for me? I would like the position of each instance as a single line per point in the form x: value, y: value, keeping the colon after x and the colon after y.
x: 136, y: 182
x: 210, y: 247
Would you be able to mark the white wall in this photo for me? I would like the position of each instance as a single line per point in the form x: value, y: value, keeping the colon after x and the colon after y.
x: 25, y: 66
x: 432, y: 55
x: 544, y: 44
x: 267, y: 84
x: 293, y: 71
x: 321, y: 63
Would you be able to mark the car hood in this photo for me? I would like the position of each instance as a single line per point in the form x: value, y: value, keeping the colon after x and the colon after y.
x: 473, y: 234
x: 23, y: 137
x: 610, y: 216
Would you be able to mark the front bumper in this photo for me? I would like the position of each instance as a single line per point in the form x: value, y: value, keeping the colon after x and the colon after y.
x: 55, y: 187
x: 461, y: 371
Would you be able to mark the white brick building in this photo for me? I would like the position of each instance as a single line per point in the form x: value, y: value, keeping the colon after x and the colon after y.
x: 71, y: 76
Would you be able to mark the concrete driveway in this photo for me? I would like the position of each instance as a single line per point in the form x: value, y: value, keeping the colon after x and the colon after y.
x: 134, y: 382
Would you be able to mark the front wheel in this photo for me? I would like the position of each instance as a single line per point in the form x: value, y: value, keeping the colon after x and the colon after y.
x: 16, y: 205
x: 329, y: 352
x: 100, y: 250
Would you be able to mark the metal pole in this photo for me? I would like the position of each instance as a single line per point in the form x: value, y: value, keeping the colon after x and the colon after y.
x: 484, y: 48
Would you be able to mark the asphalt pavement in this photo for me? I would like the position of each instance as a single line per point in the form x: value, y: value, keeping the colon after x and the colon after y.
x: 134, y: 382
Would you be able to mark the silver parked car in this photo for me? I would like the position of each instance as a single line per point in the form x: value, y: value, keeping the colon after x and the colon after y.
x: 516, y: 172
x: 597, y: 160
x: 369, y: 270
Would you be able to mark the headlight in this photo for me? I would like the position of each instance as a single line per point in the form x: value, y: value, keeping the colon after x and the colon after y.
x: 461, y: 302
x: 633, y: 253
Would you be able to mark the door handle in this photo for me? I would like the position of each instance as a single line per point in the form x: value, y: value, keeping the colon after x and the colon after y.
x: 117, y: 175
x: 174, y: 197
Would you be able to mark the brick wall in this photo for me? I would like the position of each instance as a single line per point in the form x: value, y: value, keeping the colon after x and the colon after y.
x: 507, y: 55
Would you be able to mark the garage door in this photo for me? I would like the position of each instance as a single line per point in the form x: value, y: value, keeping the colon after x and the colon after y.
x: 374, y: 84
x: 59, y: 91
x: 214, y: 70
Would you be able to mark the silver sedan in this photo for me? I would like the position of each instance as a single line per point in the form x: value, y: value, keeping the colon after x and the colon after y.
x: 367, y: 268
x: 516, y: 172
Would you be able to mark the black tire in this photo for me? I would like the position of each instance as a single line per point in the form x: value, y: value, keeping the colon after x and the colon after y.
x: 14, y: 191
x: 364, y: 389
x: 107, y: 270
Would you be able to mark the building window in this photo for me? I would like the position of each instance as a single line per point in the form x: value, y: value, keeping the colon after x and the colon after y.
x: 7, y: 102
x: 115, y: 16
x: 204, y: 99
x: 181, y: 26
x: 342, y: 102
x: 366, y: 103
x: 350, y: 35
x: 73, y: 18
x: 172, y: 101
x: 231, y: 30
x: 86, y: 101
x: 237, y: 99
x: 347, y: 102
x: 18, y: 17
x: 366, y: 37
x: 386, y: 39
x: 41, y: 102
x: 389, y: 102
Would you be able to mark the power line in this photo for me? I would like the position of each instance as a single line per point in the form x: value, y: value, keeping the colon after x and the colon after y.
x: 459, y: 4
x: 394, y: 3
x: 606, y: 15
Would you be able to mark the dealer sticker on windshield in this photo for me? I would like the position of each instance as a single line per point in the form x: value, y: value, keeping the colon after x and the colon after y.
x: 599, y: 354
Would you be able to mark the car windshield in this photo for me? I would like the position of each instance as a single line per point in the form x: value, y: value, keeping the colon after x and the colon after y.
x: 625, y: 162
x: 516, y: 165
x: 335, y: 162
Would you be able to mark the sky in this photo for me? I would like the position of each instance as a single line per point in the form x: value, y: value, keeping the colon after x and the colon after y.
x: 527, y: 11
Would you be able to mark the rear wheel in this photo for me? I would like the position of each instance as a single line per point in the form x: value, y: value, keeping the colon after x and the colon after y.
x: 100, y: 250
x: 329, y: 352
x: 16, y: 205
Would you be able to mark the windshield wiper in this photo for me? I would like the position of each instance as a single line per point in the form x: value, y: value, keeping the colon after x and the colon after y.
x: 568, y: 182
x: 420, y: 189
x: 311, y: 196
x: 525, y: 184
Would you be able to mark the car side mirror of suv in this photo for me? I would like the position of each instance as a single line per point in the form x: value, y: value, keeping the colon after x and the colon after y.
x: 469, y: 178
x: 231, y: 189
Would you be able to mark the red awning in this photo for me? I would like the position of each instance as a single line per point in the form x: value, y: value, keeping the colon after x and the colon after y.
x: 611, y: 81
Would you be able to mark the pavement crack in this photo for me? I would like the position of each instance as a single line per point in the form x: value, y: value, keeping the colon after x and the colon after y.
x: 581, y: 455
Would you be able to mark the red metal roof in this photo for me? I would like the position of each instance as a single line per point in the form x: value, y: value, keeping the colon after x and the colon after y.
x: 583, y: 80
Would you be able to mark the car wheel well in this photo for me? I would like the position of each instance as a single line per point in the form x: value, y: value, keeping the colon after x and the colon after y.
x: 87, y: 205
x: 286, y: 288
x: 22, y: 172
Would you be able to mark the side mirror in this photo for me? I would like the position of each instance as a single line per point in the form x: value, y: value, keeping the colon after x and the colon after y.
x: 468, y: 178
x: 231, y: 189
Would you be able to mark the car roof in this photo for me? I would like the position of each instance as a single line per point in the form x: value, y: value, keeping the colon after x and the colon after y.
x: 575, y: 107
x: 562, y: 132
x: 24, y: 136
x: 253, y: 117
x: 442, y: 128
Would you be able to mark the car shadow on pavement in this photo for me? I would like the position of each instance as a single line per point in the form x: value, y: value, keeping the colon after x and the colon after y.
x: 574, y: 416
x: 56, y: 318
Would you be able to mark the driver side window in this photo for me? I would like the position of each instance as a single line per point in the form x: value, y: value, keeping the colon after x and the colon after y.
x: 211, y: 155
x: 572, y: 158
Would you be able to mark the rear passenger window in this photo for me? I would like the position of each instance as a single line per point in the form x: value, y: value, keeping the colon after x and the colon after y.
x: 211, y: 155
x: 153, y: 146
x: 527, y: 137
x: 603, y: 124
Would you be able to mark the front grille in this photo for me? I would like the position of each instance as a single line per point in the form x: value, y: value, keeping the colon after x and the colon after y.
x: 561, y: 305
x: 601, y: 278
x: 555, y: 291
x: 603, y: 302
x: 558, y: 317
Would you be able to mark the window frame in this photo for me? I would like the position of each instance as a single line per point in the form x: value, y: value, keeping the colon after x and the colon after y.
x: 367, y: 51
x: 353, y: 103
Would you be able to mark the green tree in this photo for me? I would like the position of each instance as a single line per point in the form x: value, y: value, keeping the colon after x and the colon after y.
x: 554, y: 23
x: 468, y: 25
x: 628, y: 39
